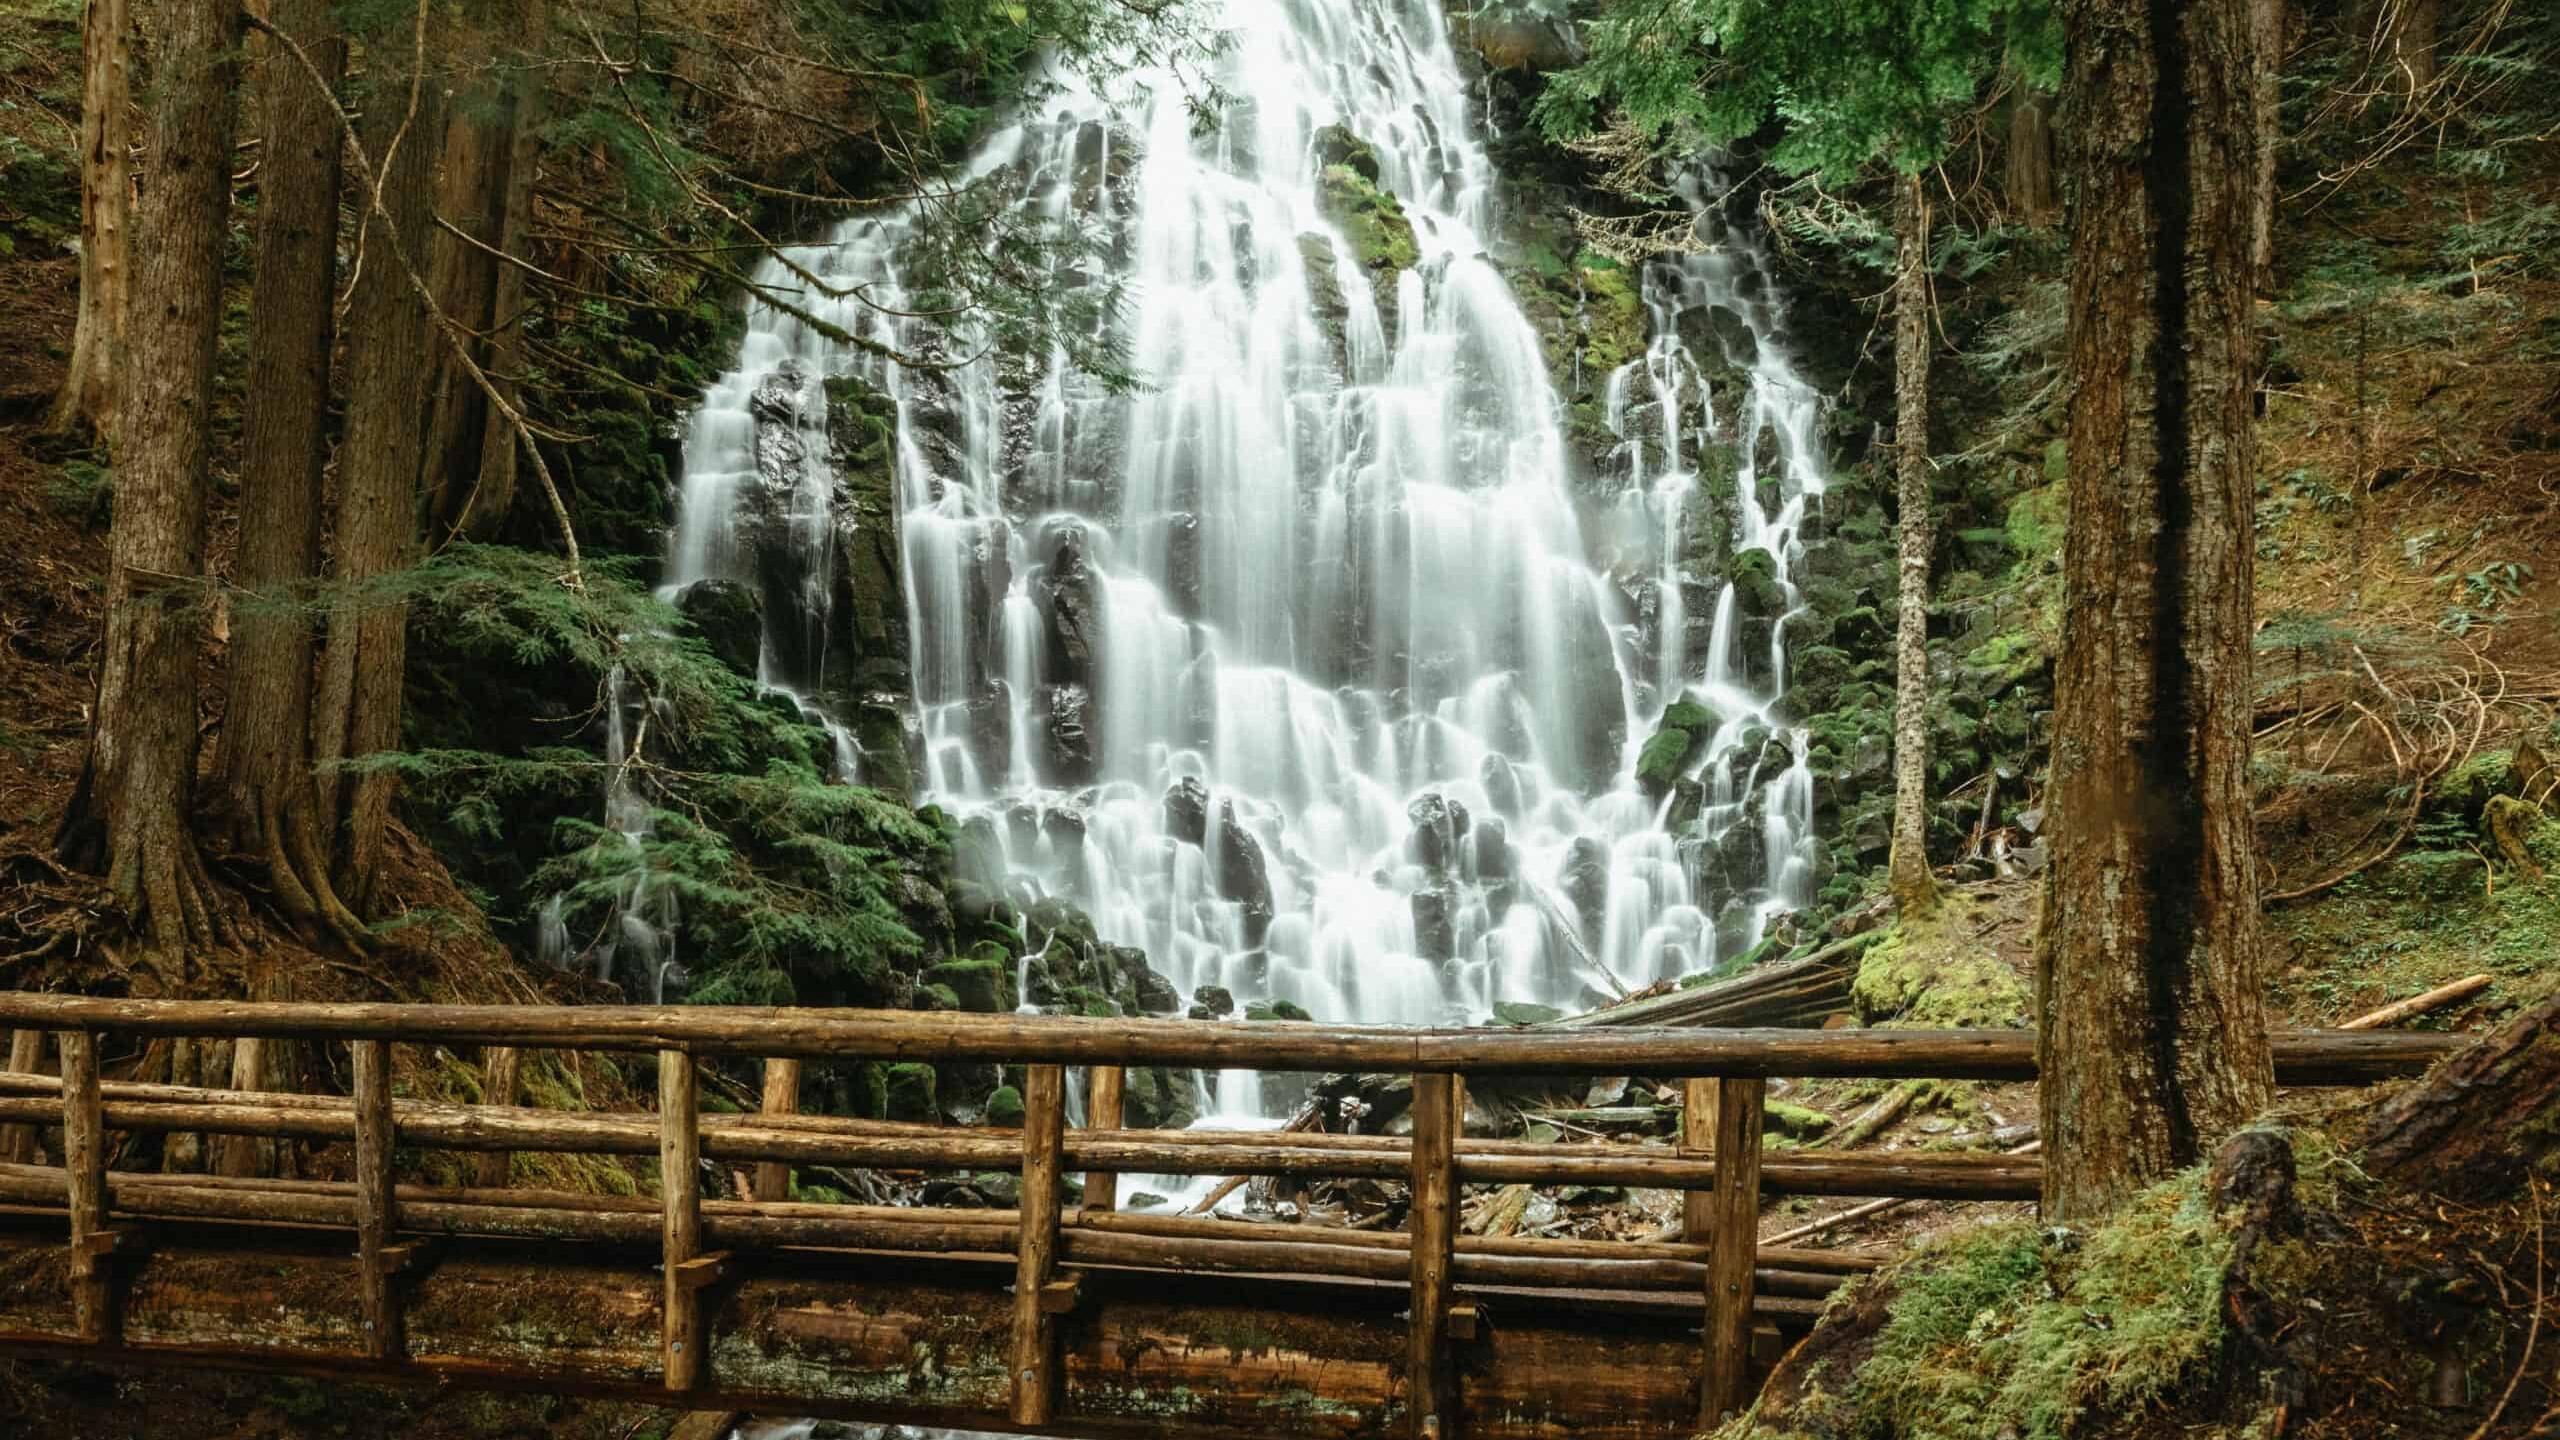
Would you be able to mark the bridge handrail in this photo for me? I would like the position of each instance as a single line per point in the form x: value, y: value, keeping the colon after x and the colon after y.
x: 1719, y: 1160
x: 2302, y: 1057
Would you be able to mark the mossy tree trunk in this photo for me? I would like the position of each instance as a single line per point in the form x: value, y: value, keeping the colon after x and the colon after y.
x: 1907, y: 870
x: 266, y: 726
x: 131, y: 813
x: 358, y: 706
x: 2150, y: 998
x: 87, y: 398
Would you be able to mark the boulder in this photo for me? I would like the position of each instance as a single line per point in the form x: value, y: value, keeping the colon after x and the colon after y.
x: 1242, y: 874
x: 983, y: 986
x: 1071, y: 757
x: 1186, y: 810
x: 1440, y: 824
x: 730, y: 620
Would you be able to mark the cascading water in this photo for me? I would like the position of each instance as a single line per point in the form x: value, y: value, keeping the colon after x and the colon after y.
x: 1305, y: 667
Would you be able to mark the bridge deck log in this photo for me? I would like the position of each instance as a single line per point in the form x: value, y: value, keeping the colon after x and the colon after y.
x: 917, y: 1340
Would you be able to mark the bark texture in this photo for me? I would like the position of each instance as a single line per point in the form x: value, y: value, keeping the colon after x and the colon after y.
x: 2153, y: 1023
x: 266, y: 726
x: 130, y: 814
x: 2029, y: 169
x: 2481, y: 1122
x: 87, y: 398
x: 358, y: 708
x: 1907, y: 871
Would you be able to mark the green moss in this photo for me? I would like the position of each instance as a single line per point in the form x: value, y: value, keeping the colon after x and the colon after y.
x: 1800, y: 1122
x: 984, y: 984
x: 1276, y: 1010
x: 1004, y: 1108
x: 1371, y: 220
x: 1517, y: 1012
x: 1614, y: 328
x: 2466, y: 790
x: 910, y: 1092
x: 1999, y: 1332
x: 1929, y: 973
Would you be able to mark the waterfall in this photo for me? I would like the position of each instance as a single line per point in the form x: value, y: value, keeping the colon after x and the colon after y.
x: 1308, y: 666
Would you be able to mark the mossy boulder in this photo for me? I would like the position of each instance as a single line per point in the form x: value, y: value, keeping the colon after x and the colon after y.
x: 1371, y: 220
x: 908, y: 1093
x: 1160, y: 1098
x: 1276, y: 1010
x: 1004, y: 1107
x: 1685, y: 727
x: 1521, y: 1012
x: 1754, y: 576
x: 982, y: 985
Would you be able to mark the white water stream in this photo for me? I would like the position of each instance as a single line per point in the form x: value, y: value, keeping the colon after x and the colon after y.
x: 1305, y: 668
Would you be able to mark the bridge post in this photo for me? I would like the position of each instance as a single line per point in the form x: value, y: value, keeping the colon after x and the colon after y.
x: 376, y: 1195
x: 1035, y: 1328
x: 84, y: 1161
x: 680, y: 1199
x: 781, y: 1097
x: 1734, y: 1250
x: 1102, y: 1107
x: 1431, y: 1390
x: 26, y: 1057
x: 499, y: 1067
x: 1698, y: 1107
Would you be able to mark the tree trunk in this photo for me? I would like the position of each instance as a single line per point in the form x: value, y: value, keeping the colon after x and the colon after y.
x: 2153, y: 1023
x: 1907, y: 872
x: 493, y: 490
x: 2030, y: 157
x: 130, y: 813
x: 2268, y: 82
x: 471, y: 197
x: 2482, y: 1121
x: 2411, y: 44
x: 88, y: 395
x: 357, y: 712
x: 266, y: 716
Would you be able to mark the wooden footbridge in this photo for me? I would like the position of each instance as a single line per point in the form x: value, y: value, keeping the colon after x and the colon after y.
x: 1079, y: 1320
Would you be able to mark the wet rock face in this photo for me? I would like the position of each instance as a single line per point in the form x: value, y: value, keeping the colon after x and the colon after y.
x: 730, y: 620
x: 1435, y: 923
x: 1070, y: 610
x: 1243, y: 876
x: 1186, y: 810
x: 1440, y: 825
x: 1071, y: 746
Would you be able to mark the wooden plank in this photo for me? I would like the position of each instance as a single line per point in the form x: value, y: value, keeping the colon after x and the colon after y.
x: 84, y: 1164
x: 1430, y: 1378
x: 781, y: 1097
x: 2317, y: 1057
x: 241, y: 1157
x: 376, y: 1202
x: 26, y: 1056
x: 1725, y: 1386
x: 1102, y: 1111
x: 1035, y: 1329
x: 1697, y: 1141
x: 500, y: 1069
x: 680, y: 1222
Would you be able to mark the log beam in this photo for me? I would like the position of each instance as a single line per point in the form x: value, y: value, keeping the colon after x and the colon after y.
x: 680, y: 1220
x: 781, y: 1097
x: 1035, y: 1326
x: 1726, y: 1385
x: 1430, y: 1379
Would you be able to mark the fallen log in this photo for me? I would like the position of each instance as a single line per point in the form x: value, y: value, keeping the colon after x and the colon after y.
x: 2482, y: 1121
x: 2416, y: 1005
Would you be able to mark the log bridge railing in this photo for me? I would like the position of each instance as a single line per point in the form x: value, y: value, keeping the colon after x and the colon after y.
x: 1711, y: 1286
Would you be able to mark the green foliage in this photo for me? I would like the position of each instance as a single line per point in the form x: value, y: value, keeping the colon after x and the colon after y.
x: 82, y: 491
x: 1850, y: 81
x: 787, y: 883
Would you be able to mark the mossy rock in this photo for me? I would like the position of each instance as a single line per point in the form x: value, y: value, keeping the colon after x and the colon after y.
x: 2467, y: 789
x: 982, y: 984
x: 1336, y: 145
x: 937, y: 997
x: 1928, y: 973
x: 1004, y: 1107
x: 1276, y: 1010
x: 908, y: 1093
x: 1754, y: 576
x: 1521, y: 1012
x: 1371, y: 221
x: 1664, y: 758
